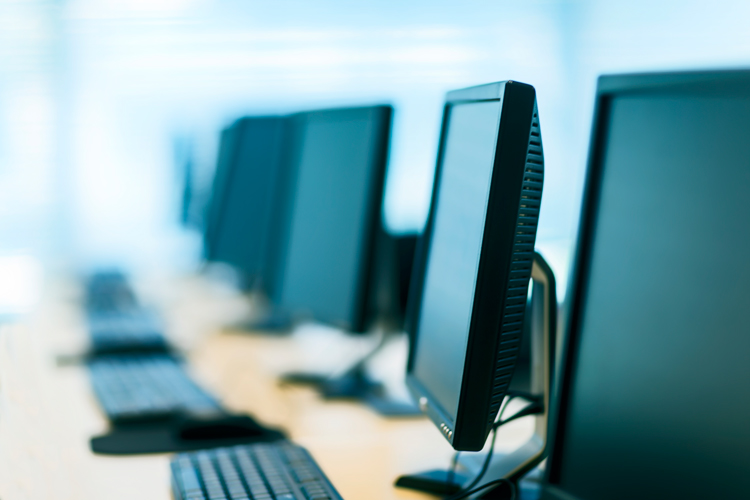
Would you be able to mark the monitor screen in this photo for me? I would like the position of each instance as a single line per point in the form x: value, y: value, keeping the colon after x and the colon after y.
x: 658, y: 403
x: 242, y: 226
x: 451, y: 270
x: 335, y: 204
x: 472, y: 273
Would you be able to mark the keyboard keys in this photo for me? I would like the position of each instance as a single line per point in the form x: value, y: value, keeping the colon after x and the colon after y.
x: 116, y: 322
x: 126, y: 331
x: 273, y: 474
x: 315, y: 492
x: 232, y: 479
x: 252, y: 475
x: 276, y: 471
x: 184, y: 475
x: 148, y: 387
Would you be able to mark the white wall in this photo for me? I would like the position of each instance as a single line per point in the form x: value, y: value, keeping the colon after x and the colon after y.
x: 94, y: 92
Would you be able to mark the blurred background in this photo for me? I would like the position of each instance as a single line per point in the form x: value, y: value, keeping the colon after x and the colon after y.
x: 103, y: 103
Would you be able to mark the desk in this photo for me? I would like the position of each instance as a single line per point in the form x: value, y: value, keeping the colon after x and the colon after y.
x: 48, y: 412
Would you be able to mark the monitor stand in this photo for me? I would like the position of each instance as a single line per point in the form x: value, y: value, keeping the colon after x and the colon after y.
x: 274, y: 322
x: 514, y: 465
x: 266, y: 319
x: 356, y: 384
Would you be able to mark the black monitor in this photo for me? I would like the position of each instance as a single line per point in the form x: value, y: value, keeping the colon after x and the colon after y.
x: 222, y: 172
x: 471, y: 284
x: 331, y: 216
x: 654, y: 397
x: 251, y: 158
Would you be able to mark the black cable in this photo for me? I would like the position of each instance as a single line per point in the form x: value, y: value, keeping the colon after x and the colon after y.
x: 532, y: 398
x: 535, y: 407
x: 452, y: 471
x: 487, y: 459
x: 359, y: 366
x: 532, y: 409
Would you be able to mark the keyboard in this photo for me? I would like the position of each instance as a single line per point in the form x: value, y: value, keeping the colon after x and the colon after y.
x: 140, y: 389
x: 136, y: 330
x: 109, y: 292
x: 268, y: 471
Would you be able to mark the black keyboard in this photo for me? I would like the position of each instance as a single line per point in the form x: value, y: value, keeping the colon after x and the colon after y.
x: 126, y: 331
x: 275, y: 471
x: 135, y: 389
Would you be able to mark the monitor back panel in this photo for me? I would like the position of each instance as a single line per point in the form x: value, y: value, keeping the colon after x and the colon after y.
x: 656, y: 391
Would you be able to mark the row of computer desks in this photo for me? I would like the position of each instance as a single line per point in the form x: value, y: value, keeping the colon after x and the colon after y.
x: 639, y: 387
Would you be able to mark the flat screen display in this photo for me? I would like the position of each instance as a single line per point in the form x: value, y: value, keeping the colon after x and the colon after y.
x: 660, y: 394
x: 332, y: 203
x: 456, y: 241
x: 243, y: 227
x: 224, y: 164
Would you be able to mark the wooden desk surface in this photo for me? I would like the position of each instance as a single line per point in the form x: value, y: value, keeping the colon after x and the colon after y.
x: 48, y: 411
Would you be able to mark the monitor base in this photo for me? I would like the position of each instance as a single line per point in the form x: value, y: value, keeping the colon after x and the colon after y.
x: 435, y: 482
x: 274, y: 323
x: 438, y: 482
x: 355, y: 385
x: 509, y: 466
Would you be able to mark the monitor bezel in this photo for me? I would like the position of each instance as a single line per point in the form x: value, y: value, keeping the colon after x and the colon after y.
x: 360, y: 319
x: 608, y: 87
x: 469, y: 430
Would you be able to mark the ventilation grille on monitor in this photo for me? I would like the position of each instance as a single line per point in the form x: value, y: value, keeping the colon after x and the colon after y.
x: 520, y: 273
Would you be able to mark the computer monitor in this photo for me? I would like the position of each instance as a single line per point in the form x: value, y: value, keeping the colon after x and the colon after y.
x: 331, y: 225
x: 250, y: 162
x: 654, y: 398
x: 471, y: 284
x: 224, y: 161
x: 184, y: 169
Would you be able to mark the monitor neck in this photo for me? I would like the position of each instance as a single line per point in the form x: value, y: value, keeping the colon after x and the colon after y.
x: 513, y: 465
x: 543, y: 317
